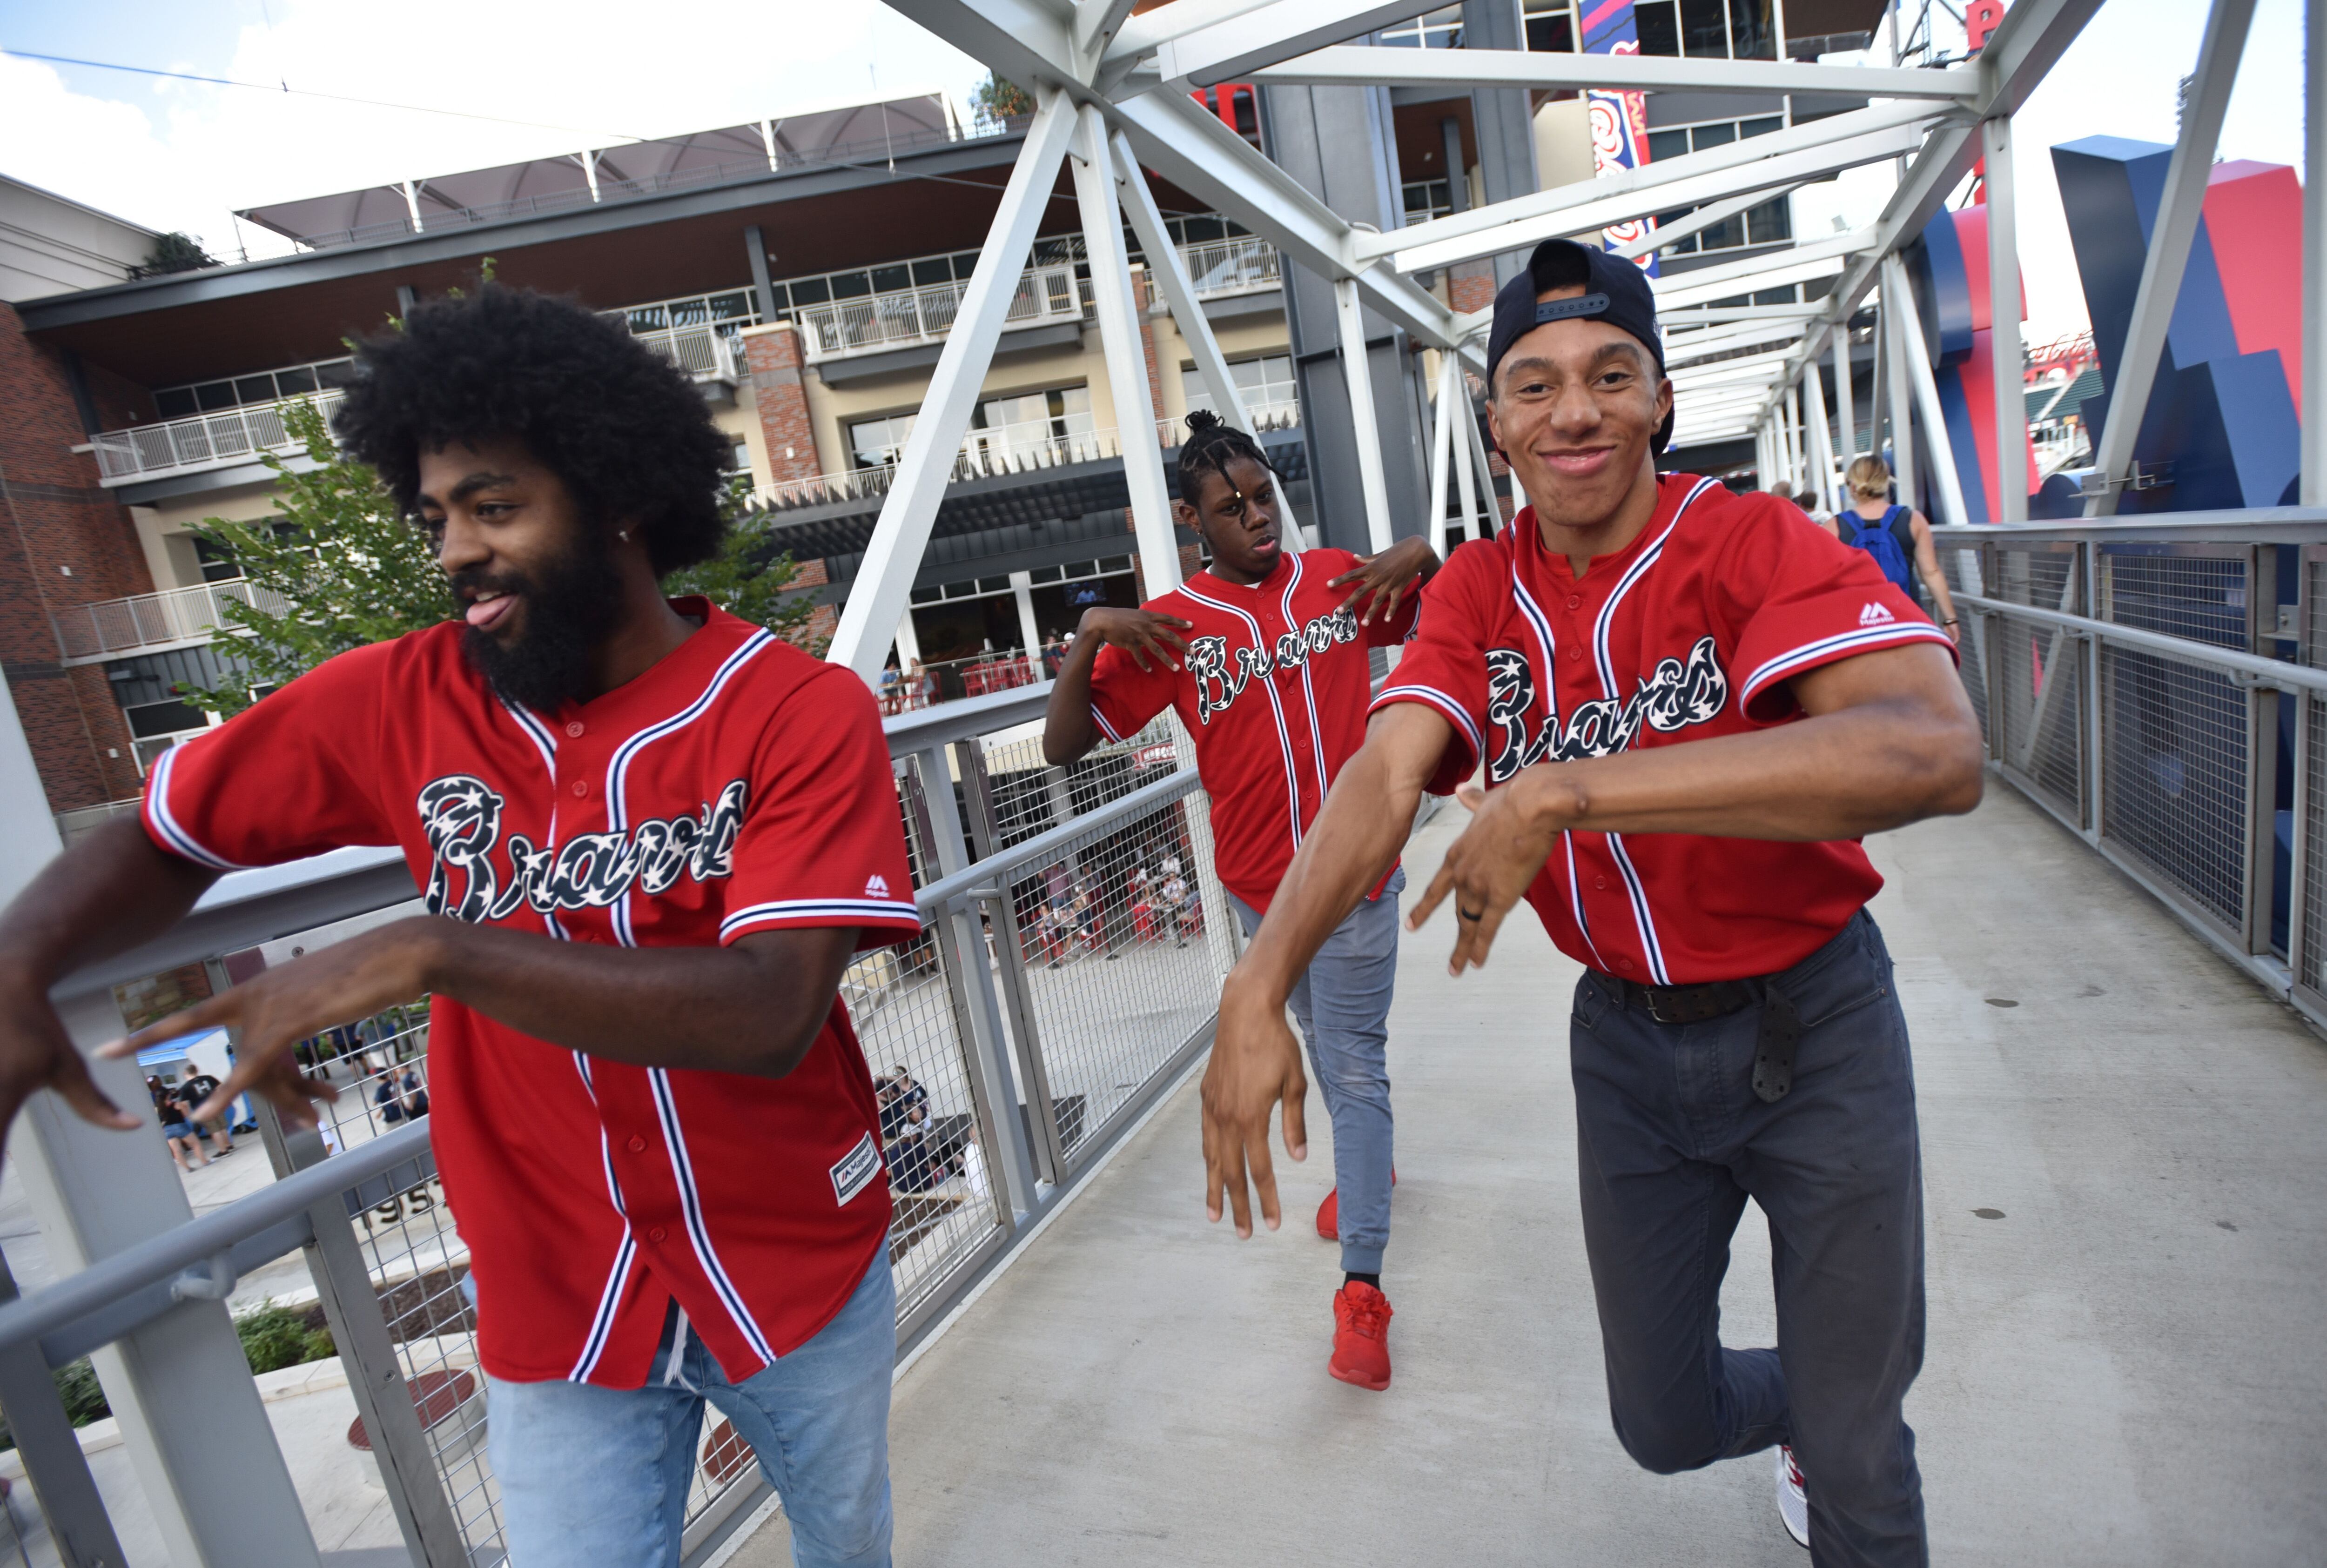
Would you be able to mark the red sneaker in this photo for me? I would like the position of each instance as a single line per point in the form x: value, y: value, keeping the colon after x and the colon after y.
x: 1362, y: 1316
x: 1329, y: 1213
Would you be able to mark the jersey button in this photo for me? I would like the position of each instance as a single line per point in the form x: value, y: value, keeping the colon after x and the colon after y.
x: 1623, y: 964
x: 1574, y: 651
x: 1598, y: 881
x: 575, y: 727
x: 580, y: 787
x: 657, y: 1233
x: 1574, y: 601
x: 637, y: 1144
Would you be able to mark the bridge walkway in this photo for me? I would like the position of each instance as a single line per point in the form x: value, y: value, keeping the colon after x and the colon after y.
x: 2126, y: 1364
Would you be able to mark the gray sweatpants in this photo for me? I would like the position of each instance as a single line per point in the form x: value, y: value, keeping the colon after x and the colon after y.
x: 1342, y: 1005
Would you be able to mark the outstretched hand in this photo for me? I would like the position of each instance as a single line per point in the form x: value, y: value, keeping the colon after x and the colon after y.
x: 1141, y: 633
x: 1488, y: 870
x: 278, y: 1008
x: 36, y: 1053
x: 1382, y: 580
x: 1256, y: 1068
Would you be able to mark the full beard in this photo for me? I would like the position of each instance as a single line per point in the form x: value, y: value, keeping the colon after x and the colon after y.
x: 570, y: 608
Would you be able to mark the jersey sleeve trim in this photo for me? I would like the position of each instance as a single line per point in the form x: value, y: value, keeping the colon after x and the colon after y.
x: 1433, y: 697
x: 162, y: 825
x: 1827, y: 649
x: 821, y: 912
x: 1103, y: 727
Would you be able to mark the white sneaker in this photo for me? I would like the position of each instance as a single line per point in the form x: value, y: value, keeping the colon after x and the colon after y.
x: 1793, y: 1507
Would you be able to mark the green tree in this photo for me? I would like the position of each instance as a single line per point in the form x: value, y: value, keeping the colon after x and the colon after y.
x: 341, y: 568
x: 750, y: 577
x: 996, y: 102
x: 175, y: 252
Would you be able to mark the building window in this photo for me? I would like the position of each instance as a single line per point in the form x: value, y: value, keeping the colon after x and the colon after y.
x: 1424, y: 199
x: 1770, y: 223
x: 242, y: 391
x: 1707, y: 29
x: 1550, y: 25
x: 1004, y: 432
x: 1265, y: 384
x: 876, y: 442
x: 1440, y: 29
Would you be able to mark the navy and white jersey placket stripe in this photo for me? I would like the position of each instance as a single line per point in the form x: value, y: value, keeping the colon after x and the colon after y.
x: 609, y: 1299
x: 546, y: 744
x: 1308, y: 692
x: 1269, y: 687
x: 699, y: 1232
x: 1549, y: 645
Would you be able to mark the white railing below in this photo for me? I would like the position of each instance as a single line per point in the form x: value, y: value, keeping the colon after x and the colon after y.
x: 206, y: 441
x: 1244, y: 264
x: 906, y: 317
x: 146, y: 622
x: 703, y: 351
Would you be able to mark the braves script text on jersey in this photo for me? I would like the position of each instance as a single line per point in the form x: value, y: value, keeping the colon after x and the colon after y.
x: 737, y: 786
x: 1691, y: 632
x: 1274, y: 692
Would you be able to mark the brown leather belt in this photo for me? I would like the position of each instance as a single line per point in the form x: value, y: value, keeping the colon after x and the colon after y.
x: 1781, y: 1027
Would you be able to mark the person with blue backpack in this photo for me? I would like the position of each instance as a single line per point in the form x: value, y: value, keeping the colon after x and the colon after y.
x: 1898, y: 537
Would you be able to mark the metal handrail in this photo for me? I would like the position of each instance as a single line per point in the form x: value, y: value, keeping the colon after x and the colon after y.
x: 2260, y: 671
x: 162, y: 1259
x: 2256, y: 526
x: 1052, y: 841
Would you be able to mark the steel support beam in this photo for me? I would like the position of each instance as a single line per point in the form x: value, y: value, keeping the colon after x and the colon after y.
x: 1356, y: 374
x: 1471, y: 481
x: 2179, y: 209
x: 868, y: 618
x: 1897, y: 391
x: 1234, y: 49
x: 2003, y: 321
x: 1461, y: 69
x: 1777, y: 271
x: 1441, y: 452
x: 1946, y: 479
x: 1821, y: 444
x: 1845, y: 403
x: 1696, y: 222
x: 1091, y: 160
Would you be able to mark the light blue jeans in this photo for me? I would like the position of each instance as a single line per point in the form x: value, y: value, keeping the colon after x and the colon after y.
x: 597, y: 1477
x: 1342, y: 1005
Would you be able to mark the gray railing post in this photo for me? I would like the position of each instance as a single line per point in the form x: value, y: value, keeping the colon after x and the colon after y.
x: 343, y: 1284
x: 53, y: 1461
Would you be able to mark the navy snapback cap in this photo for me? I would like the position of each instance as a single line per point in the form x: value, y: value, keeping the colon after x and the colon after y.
x: 1616, y: 291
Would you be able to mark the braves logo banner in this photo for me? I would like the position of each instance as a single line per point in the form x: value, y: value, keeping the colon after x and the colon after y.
x: 1676, y: 695
x: 1619, y: 120
x: 461, y: 816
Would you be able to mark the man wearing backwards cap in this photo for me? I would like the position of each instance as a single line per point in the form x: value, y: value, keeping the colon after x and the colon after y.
x: 1689, y: 706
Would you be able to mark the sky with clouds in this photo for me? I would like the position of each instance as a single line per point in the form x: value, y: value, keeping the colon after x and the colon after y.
x: 175, y: 154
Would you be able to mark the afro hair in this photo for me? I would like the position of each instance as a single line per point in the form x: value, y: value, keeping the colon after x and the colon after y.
x: 625, y: 429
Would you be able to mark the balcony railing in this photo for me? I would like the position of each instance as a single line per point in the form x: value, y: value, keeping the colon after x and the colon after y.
x: 703, y: 351
x: 994, y: 451
x: 113, y: 628
x: 1245, y: 263
x: 925, y: 315
x: 206, y: 441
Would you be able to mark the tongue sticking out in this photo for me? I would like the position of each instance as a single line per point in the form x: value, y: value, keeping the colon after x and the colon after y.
x: 485, y: 611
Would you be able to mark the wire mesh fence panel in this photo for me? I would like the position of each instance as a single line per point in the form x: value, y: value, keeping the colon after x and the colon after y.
x: 2310, y: 963
x: 2042, y: 674
x: 2044, y: 577
x: 1966, y: 573
x: 1031, y: 797
x: 1123, y: 960
x: 2174, y: 789
x: 2155, y: 588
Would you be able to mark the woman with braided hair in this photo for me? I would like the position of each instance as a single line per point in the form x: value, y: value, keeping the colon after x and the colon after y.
x: 1264, y: 654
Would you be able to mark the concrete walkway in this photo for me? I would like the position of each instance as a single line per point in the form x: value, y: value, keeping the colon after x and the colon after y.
x: 2126, y: 1364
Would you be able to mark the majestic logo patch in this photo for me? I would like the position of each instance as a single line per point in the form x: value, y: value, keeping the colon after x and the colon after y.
x: 1221, y: 679
x: 877, y: 886
x: 1675, y: 696
x: 1874, y: 615
x: 854, y: 1169
x: 461, y: 818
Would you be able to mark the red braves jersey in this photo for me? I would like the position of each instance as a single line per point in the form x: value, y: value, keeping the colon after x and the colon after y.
x: 1274, y: 692
x: 1690, y: 632
x: 737, y: 786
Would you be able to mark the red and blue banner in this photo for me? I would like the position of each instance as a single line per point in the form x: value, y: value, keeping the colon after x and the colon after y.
x: 1619, y: 120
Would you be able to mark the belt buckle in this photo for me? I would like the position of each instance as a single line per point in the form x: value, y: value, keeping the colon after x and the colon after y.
x: 1651, y: 998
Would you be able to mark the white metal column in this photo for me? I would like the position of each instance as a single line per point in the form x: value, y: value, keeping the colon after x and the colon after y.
x: 868, y: 618
x: 1091, y: 160
x: 1357, y: 370
x: 1947, y: 480
x: 1844, y: 400
x: 2314, y: 253
x: 2178, y: 212
x: 1471, y: 485
x: 908, y: 640
x: 1877, y: 385
x: 1442, y: 451
x: 1821, y: 445
x: 1021, y: 590
x: 203, y: 1452
x: 2004, y: 355
x: 1896, y: 391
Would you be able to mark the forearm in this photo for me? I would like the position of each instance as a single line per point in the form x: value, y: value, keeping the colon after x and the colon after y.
x: 105, y: 894
x: 1068, y: 730
x: 717, y: 1009
x: 1347, y: 850
x: 1843, y: 775
x: 1941, y: 600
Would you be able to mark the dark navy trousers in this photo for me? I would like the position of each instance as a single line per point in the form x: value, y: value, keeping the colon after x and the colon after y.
x: 1671, y: 1140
